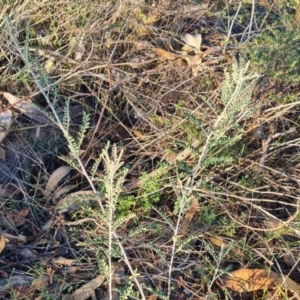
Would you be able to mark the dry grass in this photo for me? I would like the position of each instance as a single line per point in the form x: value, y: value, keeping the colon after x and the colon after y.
x: 188, y: 221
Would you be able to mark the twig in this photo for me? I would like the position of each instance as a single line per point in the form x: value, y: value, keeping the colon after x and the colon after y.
x: 231, y: 27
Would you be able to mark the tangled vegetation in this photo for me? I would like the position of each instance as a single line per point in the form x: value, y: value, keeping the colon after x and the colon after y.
x: 149, y: 149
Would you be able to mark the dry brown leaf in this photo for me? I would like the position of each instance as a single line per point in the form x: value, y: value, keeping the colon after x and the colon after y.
x: 2, y: 243
x: 152, y: 297
x: 248, y: 280
x: 219, y: 241
x: 180, y: 282
x: 87, y: 290
x: 140, y: 136
x: 64, y: 261
x: 165, y: 54
x: 196, y: 63
x: 192, y: 211
x: 18, y: 218
x: 55, y: 178
x: 27, y: 108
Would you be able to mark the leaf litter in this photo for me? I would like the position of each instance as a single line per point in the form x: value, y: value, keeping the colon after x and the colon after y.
x: 47, y: 232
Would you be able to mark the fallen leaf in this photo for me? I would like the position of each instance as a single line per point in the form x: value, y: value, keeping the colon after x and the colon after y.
x: 219, y: 241
x: 196, y: 63
x: 55, y: 178
x: 248, y: 280
x: 20, y: 238
x: 87, y: 290
x: 152, y: 297
x: 63, y: 261
x: 192, y: 41
x: 192, y: 211
x: 27, y: 108
x: 165, y: 54
x: 5, y: 121
x: 61, y: 191
x: 180, y: 281
x: 18, y: 218
x: 2, y: 243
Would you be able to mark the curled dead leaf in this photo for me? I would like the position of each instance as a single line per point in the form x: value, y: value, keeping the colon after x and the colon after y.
x: 192, y: 42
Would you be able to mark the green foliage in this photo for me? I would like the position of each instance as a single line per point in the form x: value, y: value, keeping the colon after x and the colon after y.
x: 276, y: 53
x: 83, y: 128
x: 207, y: 214
x: 229, y: 227
x: 150, y: 191
x: 127, y: 292
x: 125, y: 204
x: 138, y: 231
x: 236, y: 95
